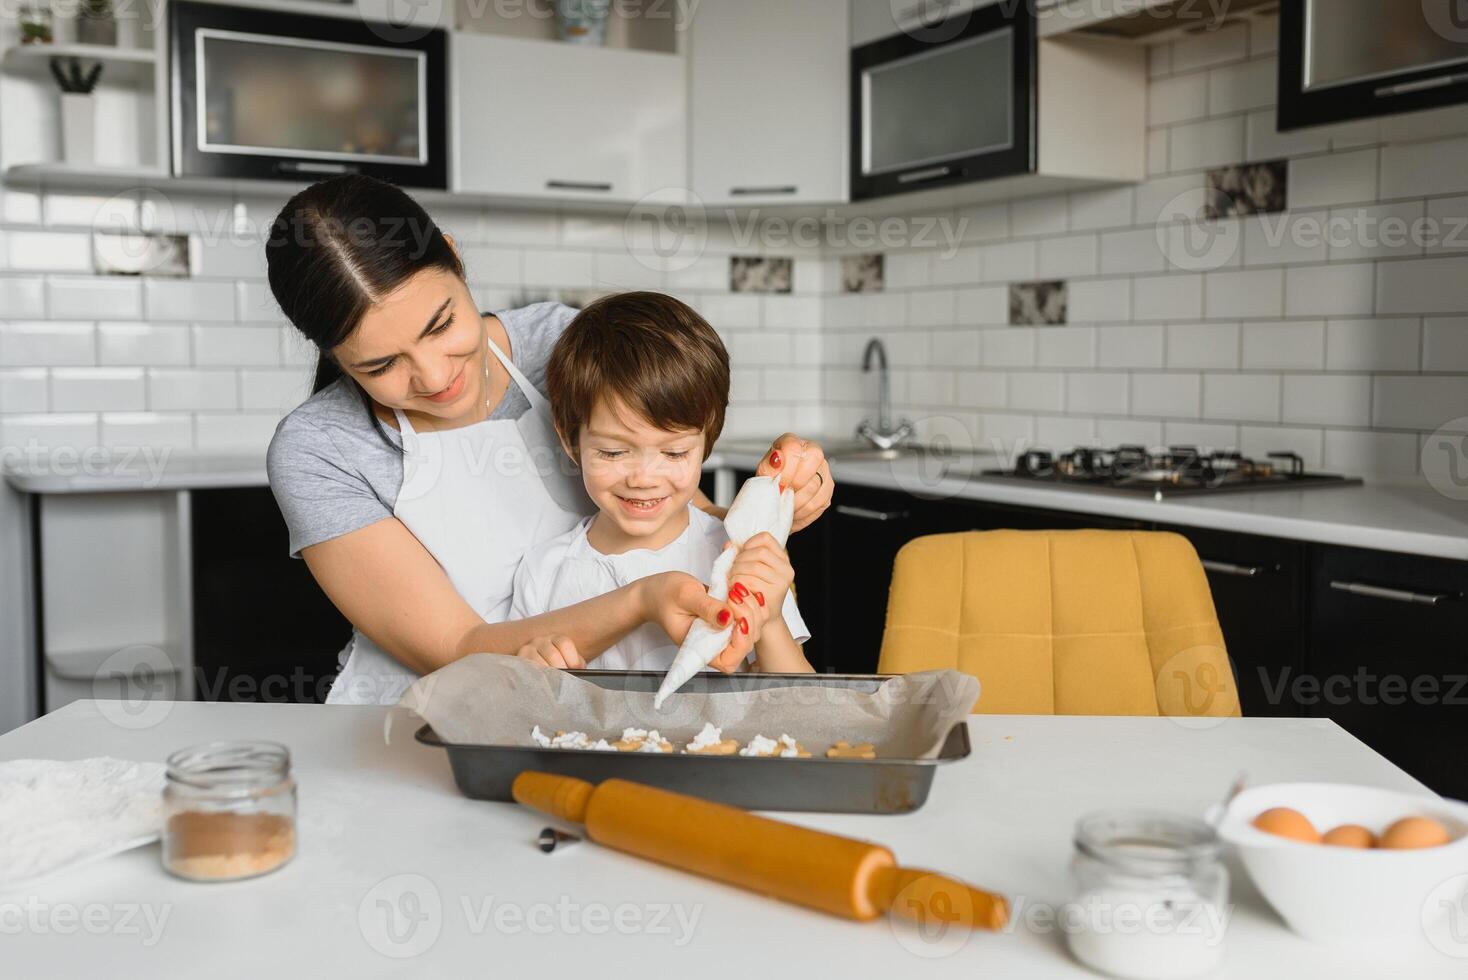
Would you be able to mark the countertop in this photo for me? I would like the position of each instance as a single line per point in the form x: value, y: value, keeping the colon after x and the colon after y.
x: 1409, y: 519
x: 400, y: 875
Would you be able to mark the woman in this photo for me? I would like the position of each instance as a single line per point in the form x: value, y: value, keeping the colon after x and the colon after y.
x: 424, y: 465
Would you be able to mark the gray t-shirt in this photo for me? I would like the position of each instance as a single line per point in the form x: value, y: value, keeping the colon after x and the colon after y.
x: 329, y: 468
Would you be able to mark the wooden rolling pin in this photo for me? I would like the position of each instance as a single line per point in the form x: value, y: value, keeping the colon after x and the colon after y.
x: 839, y: 875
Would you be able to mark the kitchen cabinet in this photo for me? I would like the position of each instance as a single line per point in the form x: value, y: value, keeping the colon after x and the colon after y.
x: 1387, y: 658
x: 872, y: 20
x: 540, y: 120
x: 1258, y: 590
x: 768, y: 112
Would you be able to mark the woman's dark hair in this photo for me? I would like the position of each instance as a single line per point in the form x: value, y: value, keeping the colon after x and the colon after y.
x: 338, y: 247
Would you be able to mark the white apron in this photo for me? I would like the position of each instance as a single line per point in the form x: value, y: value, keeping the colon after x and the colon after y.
x: 478, y: 498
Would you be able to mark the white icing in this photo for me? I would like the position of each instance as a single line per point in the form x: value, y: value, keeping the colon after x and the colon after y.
x: 759, y: 745
x: 707, y: 738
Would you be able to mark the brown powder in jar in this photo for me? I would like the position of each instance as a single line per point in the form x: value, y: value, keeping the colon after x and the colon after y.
x: 229, y: 845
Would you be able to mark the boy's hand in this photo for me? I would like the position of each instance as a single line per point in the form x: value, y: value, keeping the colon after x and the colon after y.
x: 552, y: 651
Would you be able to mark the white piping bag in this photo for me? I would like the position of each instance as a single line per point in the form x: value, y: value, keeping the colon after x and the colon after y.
x: 759, y: 506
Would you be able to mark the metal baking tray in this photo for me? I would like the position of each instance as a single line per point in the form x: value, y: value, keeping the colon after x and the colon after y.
x: 485, y: 772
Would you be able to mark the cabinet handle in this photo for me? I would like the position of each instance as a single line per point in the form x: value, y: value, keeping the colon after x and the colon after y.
x: 764, y: 191
x: 1426, y: 84
x: 867, y: 514
x: 578, y: 185
x: 932, y: 173
x: 1394, y: 595
x: 1229, y: 568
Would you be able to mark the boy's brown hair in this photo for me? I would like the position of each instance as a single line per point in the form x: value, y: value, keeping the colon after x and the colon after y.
x: 649, y: 351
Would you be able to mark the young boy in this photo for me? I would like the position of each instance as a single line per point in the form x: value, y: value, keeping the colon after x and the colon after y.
x: 638, y: 386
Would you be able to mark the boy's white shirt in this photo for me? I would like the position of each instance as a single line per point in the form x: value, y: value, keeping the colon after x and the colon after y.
x: 566, y: 570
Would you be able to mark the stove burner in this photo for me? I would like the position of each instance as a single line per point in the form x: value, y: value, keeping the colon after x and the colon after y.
x: 1176, y: 469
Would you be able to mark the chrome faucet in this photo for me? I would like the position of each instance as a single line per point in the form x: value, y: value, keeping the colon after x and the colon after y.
x: 882, y: 436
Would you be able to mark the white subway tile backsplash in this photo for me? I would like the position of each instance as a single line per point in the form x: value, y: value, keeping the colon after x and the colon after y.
x: 1156, y: 152
x: 254, y: 301
x: 49, y: 251
x: 1370, y: 453
x: 95, y: 389
x: 792, y: 312
x: 1039, y: 216
x: 1063, y: 258
x: 1446, y: 227
x: 1424, y: 169
x: 1339, y: 178
x: 1229, y: 42
x: 1212, y: 143
x: 1169, y: 199
x: 501, y: 266
x: 221, y: 345
x: 983, y: 389
x: 1330, y: 290
x: 1265, y: 142
x: 1205, y: 436
x: 1010, y: 262
x: 1067, y: 347
x: 1378, y: 232
x: 1327, y: 399
x: 1245, y: 295
x: 22, y: 390
x: 1110, y: 208
x: 1100, y: 300
x: 246, y: 434
x: 1285, y: 238
x: 983, y: 223
x: 1130, y: 346
x: 562, y: 267
x: 1203, y: 345
x: 1250, y: 85
x: 983, y: 305
x: 962, y: 266
x: 142, y: 344
x: 1434, y: 285
x: 1060, y: 432
x: 1167, y: 395
x: 1242, y: 397
x: 1444, y: 344
x: 1129, y: 432
x: 1373, y: 345
x: 47, y: 344
x: 1259, y: 441
x: 622, y: 271
x: 188, y: 299
x: 1096, y: 393
x: 1298, y: 345
x: 1424, y: 403
x: 1125, y: 252
x: 76, y: 297
x: 273, y: 390
x: 910, y: 269
x: 1177, y: 99
x: 1178, y: 297
x: 1159, y: 60
x: 22, y: 296
x: 931, y: 308
x: 151, y: 430
x: 1037, y: 391
x: 72, y: 431
x: 188, y: 390
x: 955, y: 348
x: 1012, y: 347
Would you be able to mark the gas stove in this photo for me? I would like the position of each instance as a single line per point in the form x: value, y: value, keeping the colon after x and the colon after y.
x: 1175, y: 471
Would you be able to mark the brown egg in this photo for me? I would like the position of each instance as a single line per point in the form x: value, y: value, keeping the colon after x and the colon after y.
x: 1350, y: 835
x: 1414, y: 832
x: 1284, y: 822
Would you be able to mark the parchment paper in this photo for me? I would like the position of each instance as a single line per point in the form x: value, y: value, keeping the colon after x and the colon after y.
x: 492, y: 699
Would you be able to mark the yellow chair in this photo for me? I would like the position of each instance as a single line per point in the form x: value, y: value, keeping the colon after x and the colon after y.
x: 1063, y: 622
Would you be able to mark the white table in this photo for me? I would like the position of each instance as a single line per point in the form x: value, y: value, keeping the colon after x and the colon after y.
x: 385, y: 834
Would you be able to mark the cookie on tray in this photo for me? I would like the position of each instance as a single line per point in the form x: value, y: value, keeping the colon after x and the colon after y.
x: 711, y: 741
x: 783, y: 747
x: 569, y: 740
x: 845, y: 750
x: 642, y: 740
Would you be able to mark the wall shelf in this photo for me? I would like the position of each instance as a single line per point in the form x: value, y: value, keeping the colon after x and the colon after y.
x: 116, y: 61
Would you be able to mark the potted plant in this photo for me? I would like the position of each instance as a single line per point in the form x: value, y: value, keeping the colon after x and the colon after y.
x: 584, y: 21
x: 78, y: 111
x: 35, y: 24
x: 96, y: 23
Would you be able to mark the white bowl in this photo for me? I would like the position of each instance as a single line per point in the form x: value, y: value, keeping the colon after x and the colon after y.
x: 1348, y: 896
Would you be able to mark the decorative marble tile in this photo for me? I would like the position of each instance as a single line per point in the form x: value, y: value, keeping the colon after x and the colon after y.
x: 1037, y: 303
x: 863, y: 273
x: 761, y: 274
x: 128, y: 254
x: 1248, y: 188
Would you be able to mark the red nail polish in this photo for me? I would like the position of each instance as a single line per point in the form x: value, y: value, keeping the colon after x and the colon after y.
x: 743, y: 625
x: 738, y: 591
x: 759, y: 597
x: 735, y: 597
x: 724, y: 616
x: 775, y: 458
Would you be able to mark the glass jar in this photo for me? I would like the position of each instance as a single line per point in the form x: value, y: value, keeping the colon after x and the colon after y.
x: 1151, y: 896
x: 229, y: 810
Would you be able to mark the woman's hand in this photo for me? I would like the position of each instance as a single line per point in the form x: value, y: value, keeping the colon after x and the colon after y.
x: 552, y: 651
x: 758, y: 580
x: 801, y: 465
x: 674, y: 600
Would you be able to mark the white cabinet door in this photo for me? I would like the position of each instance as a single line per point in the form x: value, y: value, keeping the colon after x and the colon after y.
x: 546, y: 120
x: 769, y: 104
